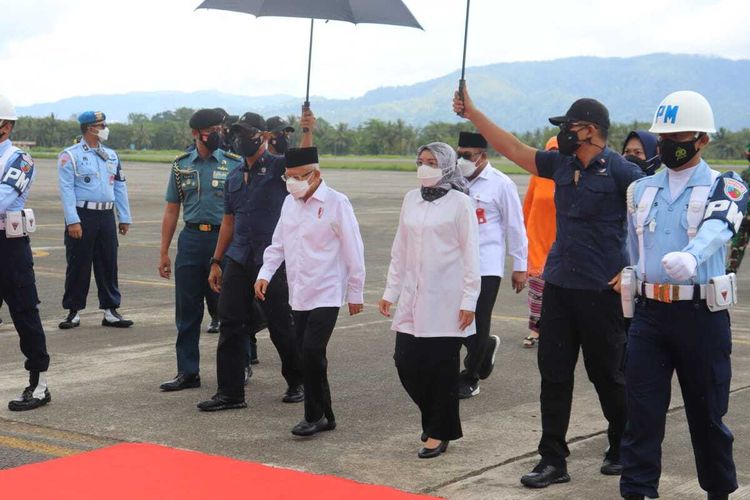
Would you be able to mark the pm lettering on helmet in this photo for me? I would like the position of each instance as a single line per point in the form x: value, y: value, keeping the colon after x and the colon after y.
x: 17, y: 179
x: 667, y: 113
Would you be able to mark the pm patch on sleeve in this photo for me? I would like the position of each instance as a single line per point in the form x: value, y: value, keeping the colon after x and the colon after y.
x: 18, y: 176
x: 728, y: 201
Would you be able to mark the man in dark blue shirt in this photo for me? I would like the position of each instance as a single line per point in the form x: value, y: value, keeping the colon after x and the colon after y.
x: 253, y: 196
x: 580, y: 311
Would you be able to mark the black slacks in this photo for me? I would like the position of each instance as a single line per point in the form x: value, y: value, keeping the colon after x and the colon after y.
x: 236, y: 315
x: 314, y: 329
x: 574, y: 320
x: 477, y: 345
x: 429, y: 371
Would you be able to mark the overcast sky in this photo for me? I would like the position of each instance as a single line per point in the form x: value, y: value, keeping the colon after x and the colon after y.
x: 52, y: 49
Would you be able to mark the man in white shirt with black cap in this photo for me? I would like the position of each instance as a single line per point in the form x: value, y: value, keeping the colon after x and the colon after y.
x: 501, y: 229
x: 318, y: 237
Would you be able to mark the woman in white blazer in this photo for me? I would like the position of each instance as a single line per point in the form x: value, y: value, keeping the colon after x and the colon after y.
x: 434, y: 276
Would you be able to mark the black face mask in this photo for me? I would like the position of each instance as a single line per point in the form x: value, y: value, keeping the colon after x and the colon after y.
x: 245, y: 146
x: 212, y: 141
x: 567, y: 142
x: 280, y: 144
x: 675, y: 154
x: 648, y: 167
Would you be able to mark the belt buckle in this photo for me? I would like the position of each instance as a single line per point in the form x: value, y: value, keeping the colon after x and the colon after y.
x: 663, y: 292
x: 204, y: 227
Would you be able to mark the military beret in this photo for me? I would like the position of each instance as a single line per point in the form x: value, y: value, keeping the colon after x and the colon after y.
x: 89, y: 117
x: 297, y: 157
x: 206, y: 118
x: 471, y: 140
x: 278, y: 124
x: 252, y: 122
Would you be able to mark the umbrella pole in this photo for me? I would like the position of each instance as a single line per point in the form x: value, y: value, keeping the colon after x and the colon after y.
x: 306, y: 105
x: 462, y: 81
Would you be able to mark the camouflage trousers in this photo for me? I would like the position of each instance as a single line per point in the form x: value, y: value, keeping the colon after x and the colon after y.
x: 739, y: 245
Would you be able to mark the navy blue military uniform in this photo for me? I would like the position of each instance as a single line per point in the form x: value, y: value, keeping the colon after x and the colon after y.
x: 254, y: 197
x: 580, y: 311
x: 197, y: 184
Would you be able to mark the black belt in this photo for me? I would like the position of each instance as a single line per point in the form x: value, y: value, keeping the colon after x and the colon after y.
x: 206, y: 228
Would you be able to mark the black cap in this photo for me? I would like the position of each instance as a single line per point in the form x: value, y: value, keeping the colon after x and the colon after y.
x: 223, y: 112
x: 585, y: 110
x: 278, y: 124
x: 297, y: 157
x: 205, y: 118
x: 471, y: 140
x: 252, y: 122
x: 230, y: 119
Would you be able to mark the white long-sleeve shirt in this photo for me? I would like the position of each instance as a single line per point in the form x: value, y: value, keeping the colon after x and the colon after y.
x: 500, y: 217
x: 434, y: 270
x: 320, y: 241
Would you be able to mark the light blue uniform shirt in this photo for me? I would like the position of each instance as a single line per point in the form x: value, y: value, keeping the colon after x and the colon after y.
x: 16, y: 176
x: 85, y: 175
x: 668, y: 219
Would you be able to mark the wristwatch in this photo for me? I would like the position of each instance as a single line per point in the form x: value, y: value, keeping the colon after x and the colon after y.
x: 214, y: 261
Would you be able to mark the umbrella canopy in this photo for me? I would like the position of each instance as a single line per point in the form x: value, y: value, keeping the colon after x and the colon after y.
x: 389, y: 12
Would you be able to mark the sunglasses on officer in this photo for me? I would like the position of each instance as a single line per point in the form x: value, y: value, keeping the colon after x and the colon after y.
x: 298, y: 177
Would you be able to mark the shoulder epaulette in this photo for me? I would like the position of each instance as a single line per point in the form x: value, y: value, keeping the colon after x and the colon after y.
x: 233, y: 156
x: 181, y: 156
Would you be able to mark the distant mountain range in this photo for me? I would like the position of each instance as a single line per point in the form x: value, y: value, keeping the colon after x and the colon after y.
x: 520, y: 96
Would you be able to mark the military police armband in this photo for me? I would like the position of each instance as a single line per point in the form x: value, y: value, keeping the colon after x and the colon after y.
x: 18, y: 175
x: 728, y: 202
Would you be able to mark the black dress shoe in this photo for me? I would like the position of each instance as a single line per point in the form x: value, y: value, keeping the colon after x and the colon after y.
x: 29, y: 401
x: 543, y: 475
x: 633, y: 497
x: 433, y: 452
x: 114, y: 319
x: 219, y: 402
x: 182, y: 381
x: 294, y: 394
x: 72, y: 320
x: 305, y: 428
x: 611, y: 467
x: 467, y: 390
x: 213, y: 327
x: 717, y: 496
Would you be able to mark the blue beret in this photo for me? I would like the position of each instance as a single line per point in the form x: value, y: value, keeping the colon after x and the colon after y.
x: 89, y: 117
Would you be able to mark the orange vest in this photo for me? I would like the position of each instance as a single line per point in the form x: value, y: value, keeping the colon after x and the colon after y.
x: 539, y: 218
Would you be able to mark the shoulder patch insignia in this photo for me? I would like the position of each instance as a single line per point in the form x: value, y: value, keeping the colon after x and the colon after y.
x: 734, y: 189
x: 64, y: 158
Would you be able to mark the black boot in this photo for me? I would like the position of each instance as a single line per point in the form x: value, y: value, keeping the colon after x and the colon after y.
x: 34, y: 396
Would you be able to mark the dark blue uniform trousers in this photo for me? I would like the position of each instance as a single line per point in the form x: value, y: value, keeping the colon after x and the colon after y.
x: 98, y: 246
x: 18, y: 290
x: 687, y: 338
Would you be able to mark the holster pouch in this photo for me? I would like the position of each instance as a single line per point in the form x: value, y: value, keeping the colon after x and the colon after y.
x: 29, y: 221
x: 628, y: 287
x: 721, y: 292
x: 14, y: 225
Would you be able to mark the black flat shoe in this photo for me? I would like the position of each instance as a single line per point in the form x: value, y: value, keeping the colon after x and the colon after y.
x: 294, y: 394
x: 544, y: 475
x: 433, y: 452
x: 181, y: 381
x: 30, y: 401
x: 305, y: 428
x: 633, y: 497
x: 611, y: 467
x: 717, y: 496
x: 219, y: 402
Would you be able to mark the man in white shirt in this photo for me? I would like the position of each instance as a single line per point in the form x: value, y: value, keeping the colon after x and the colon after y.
x: 318, y: 237
x: 500, y: 218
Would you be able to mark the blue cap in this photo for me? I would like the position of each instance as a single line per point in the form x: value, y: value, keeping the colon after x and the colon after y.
x: 89, y: 117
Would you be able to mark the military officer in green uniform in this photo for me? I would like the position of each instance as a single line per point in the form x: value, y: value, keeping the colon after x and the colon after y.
x: 196, y: 182
x: 741, y: 239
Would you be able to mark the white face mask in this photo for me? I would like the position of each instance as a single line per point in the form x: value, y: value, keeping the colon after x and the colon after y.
x: 467, y: 167
x: 429, y: 176
x: 297, y: 188
x: 103, y: 134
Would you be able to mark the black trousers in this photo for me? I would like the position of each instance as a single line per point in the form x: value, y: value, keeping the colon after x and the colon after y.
x: 18, y: 290
x: 477, y: 345
x: 237, y: 314
x: 428, y: 369
x: 590, y: 321
x: 314, y: 329
x: 98, y: 246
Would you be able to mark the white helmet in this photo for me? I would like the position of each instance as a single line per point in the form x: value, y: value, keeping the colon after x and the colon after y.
x: 7, y: 111
x: 683, y: 111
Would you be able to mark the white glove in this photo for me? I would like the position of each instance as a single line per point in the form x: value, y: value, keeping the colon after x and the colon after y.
x: 680, y: 266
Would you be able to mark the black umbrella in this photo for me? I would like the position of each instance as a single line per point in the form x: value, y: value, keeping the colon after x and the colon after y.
x: 391, y: 12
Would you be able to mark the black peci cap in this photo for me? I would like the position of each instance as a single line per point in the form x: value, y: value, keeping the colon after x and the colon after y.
x: 297, y: 157
x: 471, y: 140
x: 584, y: 110
x: 252, y: 122
x: 205, y: 118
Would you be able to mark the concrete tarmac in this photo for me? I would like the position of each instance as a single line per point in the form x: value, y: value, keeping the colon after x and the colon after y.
x: 104, y: 382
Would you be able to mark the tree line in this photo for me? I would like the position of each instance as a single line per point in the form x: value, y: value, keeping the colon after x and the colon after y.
x: 169, y: 130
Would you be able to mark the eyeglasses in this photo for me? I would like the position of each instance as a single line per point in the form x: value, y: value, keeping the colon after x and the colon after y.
x: 297, y: 177
x: 466, y: 155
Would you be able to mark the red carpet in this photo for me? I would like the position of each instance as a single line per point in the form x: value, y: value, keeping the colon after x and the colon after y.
x: 146, y: 471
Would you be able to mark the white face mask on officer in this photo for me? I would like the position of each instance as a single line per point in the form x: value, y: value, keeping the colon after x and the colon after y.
x: 467, y: 167
x: 103, y: 133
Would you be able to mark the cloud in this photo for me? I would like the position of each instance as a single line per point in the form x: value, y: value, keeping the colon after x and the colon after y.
x: 82, y: 48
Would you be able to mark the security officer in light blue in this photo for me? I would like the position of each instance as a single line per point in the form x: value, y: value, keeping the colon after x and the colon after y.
x: 92, y: 186
x: 680, y: 221
x: 17, y: 281
x: 196, y: 182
